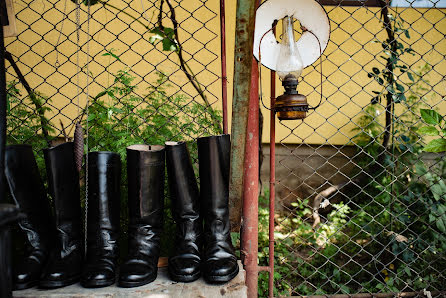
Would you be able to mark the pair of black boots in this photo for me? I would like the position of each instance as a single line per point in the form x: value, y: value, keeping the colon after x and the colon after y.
x: 203, y: 243
x: 54, y: 252
x: 145, y: 176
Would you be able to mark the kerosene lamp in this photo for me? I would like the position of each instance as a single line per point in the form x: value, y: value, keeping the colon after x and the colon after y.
x: 288, y: 58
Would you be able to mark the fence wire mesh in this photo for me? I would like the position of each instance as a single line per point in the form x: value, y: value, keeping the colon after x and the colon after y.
x: 361, y: 208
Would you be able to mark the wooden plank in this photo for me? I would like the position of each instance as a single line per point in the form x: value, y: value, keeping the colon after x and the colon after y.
x: 11, y: 29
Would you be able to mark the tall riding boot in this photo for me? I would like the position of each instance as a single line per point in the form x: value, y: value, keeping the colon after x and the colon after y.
x: 184, y: 265
x: 145, y: 172
x: 29, y: 194
x: 104, y: 180
x: 8, y: 215
x: 219, y: 261
x: 65, y: 263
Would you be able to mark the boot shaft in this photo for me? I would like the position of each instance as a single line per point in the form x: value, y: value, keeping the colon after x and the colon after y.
x: 63, y: 186
x: 183, y: 188
x: 213, y: 156
x: 145, y: 174
x: 184, y: 193
x: 28, y: 192
x: 104, y: 181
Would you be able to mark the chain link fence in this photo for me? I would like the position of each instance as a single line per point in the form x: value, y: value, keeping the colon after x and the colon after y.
x: 360, y: 206
x: 360, y: 188
x: 129, y: 72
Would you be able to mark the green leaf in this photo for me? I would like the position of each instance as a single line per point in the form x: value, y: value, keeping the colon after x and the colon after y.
x: 100, y: 94
x: 155, y: 38
x: 406, y: 32
x: 169, y: 45
x: 401, y: 97
x: 432, y: 218
x: 375, y: 100
x: 91, y: 117
x: 410, y: 77
x: 110, y: 53
x: 420, y: 169
x: 437, y: 191
x: 431, y: 116
x: 399, y: 87
x: 375, y: 70
x: 440, y: 225
x: 407, y: 269
x: 429, y: 131
x: 437, y: 145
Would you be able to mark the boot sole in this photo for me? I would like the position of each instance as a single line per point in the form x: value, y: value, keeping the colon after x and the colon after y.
x: 132, y: 284
x: 221, y: 279
x: 96, y: 283
x: 23, y: 286
x: 50, y: 284
x: 184, y: 278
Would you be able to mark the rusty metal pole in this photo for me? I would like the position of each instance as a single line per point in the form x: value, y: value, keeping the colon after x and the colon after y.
x: 244, y: 38
x: 250, y: 222
x: 224, y: 78
x: 272, y: 183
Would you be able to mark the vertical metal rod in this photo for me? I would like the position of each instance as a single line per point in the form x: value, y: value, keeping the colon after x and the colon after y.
x: 224, y: 78
x: 244, y: 38
x: 250, y: 222
x: 2, y: 112
x: 272, y: 183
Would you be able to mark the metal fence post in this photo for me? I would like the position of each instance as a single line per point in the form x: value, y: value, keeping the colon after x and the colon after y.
x: 250, y: 225
x: 244, y: 38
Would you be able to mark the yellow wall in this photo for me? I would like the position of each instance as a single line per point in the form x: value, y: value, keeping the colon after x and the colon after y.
x: 347, y: 59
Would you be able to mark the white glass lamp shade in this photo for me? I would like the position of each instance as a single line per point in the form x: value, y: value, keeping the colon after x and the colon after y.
x: 310, y: 14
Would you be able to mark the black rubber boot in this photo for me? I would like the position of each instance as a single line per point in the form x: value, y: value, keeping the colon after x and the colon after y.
x: 65, y: 263
x: 219, y: 261
x: 29, y: 194
x: 8, y: 215
x: 184, y: 265
x: 145, y: 172
x: 104, y: 180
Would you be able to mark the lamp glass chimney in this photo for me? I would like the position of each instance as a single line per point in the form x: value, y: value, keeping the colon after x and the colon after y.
x: 289, y: 61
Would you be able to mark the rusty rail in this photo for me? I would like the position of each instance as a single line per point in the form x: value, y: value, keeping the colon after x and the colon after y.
x: 250, y: 222
x: 272, y: 183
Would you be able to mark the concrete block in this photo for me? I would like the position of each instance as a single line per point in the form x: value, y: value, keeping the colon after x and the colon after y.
x: 162, y: 287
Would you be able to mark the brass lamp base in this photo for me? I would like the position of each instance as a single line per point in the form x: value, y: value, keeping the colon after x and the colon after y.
x: 291, y: 107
